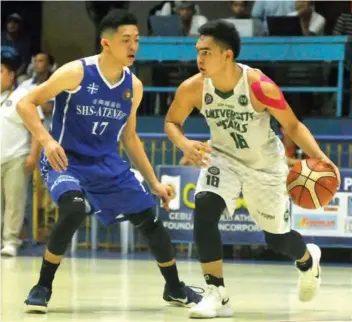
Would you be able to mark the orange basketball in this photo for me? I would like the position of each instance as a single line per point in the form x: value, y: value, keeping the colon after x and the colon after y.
x: 312, y: 184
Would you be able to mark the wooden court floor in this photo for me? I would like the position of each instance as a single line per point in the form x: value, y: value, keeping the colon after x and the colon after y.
x: 109, y: 290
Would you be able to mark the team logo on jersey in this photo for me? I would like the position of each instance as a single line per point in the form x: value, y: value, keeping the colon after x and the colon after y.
x: 243, y: 100
x: 92, y: 88
x: 214, y: 171
x: 127, y: 95
x: 208, y: 99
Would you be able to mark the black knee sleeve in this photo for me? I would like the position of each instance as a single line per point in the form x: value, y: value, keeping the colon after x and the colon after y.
x: 71, y: 215
x: 155, y: 234
x: 290, y: 244
x: 208, y: 210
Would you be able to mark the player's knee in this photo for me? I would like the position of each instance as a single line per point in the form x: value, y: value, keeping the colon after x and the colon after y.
x: 208, y: 209
x: 155, y: 233
x: 71, y: 215
x: 290, y: 244
x: 276, y: 242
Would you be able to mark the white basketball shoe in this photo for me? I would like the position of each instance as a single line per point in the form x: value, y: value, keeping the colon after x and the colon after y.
x: 310, y: 280
x: 215, y: 303
x: 9, y: 251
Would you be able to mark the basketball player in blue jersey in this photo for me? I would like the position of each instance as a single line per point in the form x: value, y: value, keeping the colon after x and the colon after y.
x: 95, y: 106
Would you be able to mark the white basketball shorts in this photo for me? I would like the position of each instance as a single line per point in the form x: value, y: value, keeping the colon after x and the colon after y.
x: 264, y: 191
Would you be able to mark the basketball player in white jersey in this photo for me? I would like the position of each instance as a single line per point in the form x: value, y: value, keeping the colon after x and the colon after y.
x: 244, y: 155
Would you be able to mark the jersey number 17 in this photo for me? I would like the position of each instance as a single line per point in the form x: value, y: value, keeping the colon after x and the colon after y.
x: 99, y: 127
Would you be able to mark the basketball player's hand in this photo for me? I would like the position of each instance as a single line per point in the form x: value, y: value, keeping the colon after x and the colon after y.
x: 56, y: 155
x: 165, y: 192
x: 336, y: 169
x: 195, y: 153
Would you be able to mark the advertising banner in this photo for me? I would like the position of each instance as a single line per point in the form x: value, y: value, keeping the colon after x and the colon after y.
x: 331, y: 225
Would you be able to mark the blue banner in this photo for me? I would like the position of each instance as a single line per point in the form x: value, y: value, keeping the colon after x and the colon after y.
x: 328, y: 226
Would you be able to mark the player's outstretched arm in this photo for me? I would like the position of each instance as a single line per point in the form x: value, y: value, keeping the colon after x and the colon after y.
x: 68, y: 77
x: 188, y: 96
x: 135, y: 149
x: 265, y: 94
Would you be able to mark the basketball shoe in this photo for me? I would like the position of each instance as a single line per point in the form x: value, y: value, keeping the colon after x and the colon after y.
x: 184, y: 296
x: 215, y: 303
x: 38, y: 299
x: 309, y: 281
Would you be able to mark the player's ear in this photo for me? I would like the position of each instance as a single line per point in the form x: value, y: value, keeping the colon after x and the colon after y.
x: 104, y: 43
x: 228, y: 54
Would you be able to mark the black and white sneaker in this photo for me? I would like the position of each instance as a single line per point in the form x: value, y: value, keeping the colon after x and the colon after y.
x: 215, y: 303
x: 184, y: 296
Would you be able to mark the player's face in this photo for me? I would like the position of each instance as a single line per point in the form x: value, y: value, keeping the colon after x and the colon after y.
x: 211, y: 58
x: 7, y: 78
x: 124, y: 44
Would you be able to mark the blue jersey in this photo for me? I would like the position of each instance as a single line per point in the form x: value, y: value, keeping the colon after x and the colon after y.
x: 89, y: 120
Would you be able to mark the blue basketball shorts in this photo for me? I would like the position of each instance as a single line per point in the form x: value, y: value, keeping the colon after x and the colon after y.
x: 108, y: 183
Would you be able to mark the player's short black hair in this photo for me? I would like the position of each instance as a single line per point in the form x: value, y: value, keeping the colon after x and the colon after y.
x: 224, y: 32
x: 116, y: 18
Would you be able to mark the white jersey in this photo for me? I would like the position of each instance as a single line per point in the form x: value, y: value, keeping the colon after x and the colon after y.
x: 237, y: 130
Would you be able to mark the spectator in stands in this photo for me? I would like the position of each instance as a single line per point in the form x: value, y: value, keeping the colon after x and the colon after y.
x: 312, y: 23
x: 240, y: 9
x: 19, y: 157
x: 42, y: 68
x: 166, y: 8
x: 14, y: 43
x: 343, y: 24
x: 264, y: 8
x: 189, y: 19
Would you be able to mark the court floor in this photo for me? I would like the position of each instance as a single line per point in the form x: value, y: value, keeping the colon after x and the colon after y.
x: 91, y: 289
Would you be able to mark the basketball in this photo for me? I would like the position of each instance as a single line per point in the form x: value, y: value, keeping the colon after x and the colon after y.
x: 312, y: 184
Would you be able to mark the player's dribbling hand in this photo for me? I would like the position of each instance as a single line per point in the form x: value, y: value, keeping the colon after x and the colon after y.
x: 165, y: 192
x: 195, y: 153
x: 56, y: 155
x: 336, y: 169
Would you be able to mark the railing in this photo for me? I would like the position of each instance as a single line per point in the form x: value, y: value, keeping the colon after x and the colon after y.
x: 160, y: 151
x: 263, y: 49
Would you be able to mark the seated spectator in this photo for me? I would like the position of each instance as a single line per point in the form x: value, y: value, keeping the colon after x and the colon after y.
x: 312, y: 23
x: 166, y: 8
x: 42, y: 68
x: 264, y: 8
x: 240, y: 9
x: 14, y: 43
x: 241, y: 18
x: 189, y: 19
x: 343, y: 25
x: 19, y: 157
